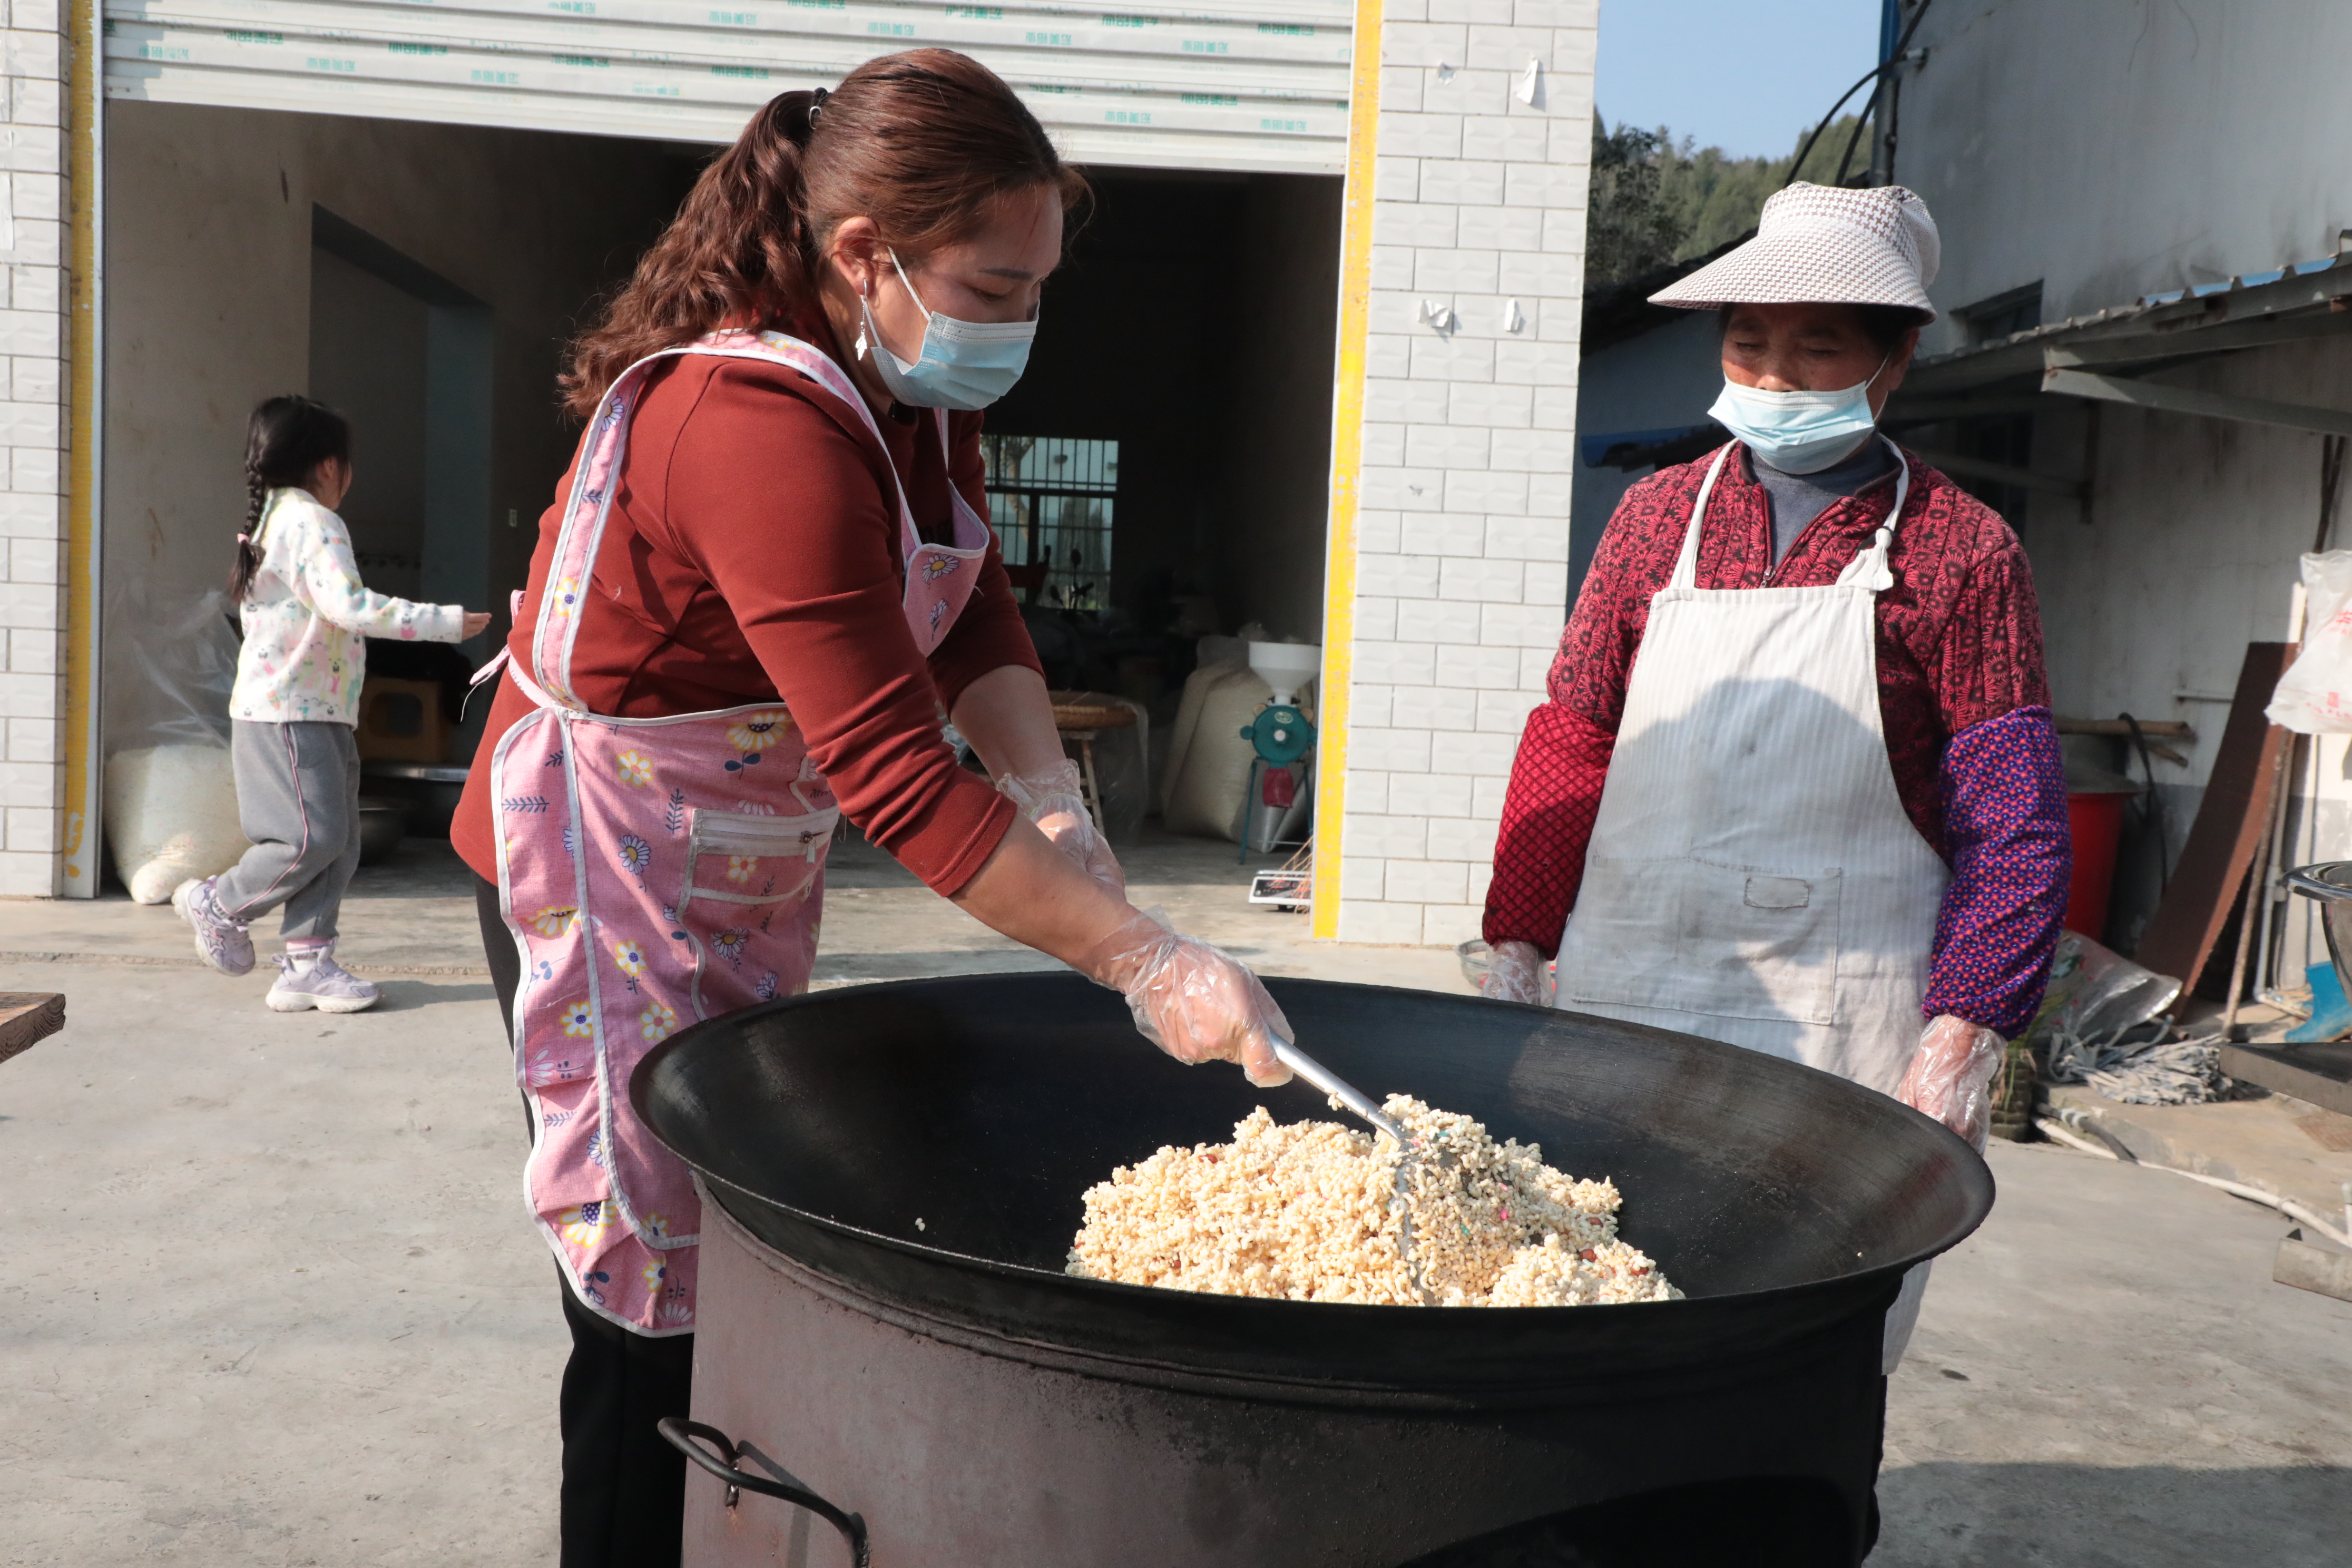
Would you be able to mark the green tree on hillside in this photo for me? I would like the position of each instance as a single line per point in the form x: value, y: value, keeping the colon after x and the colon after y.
x: 1631, y: 224
x: 1656, y: 200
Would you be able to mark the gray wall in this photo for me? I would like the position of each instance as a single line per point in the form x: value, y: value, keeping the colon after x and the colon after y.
x: 2116, y: 147
x: 1664, y: 378
x: 209, y: 306
x: 2111, y: 149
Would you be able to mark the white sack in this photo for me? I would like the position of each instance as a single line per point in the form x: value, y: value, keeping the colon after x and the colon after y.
x: 170, y: 795
x: 171, y: 814
x: 2315, y: 695
x: 1207, y: 782
x: 1187, y: 715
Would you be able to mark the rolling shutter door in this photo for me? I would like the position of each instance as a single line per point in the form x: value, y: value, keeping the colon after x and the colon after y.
x: 1222, y: 84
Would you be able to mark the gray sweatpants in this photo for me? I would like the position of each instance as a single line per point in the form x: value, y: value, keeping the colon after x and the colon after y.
x: 297, y: 798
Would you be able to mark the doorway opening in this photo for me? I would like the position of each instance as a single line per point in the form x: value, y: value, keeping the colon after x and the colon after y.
x: 1183, y: 368
x: 408, y: 357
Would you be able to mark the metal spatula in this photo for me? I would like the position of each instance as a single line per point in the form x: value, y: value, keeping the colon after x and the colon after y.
x: 1357, y: 1100
x: 1341, y: 1090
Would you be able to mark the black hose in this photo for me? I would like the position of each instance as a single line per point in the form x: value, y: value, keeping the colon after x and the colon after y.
x: 1852, y: 141
x: 2151, y: 811
x: 1894, y: 58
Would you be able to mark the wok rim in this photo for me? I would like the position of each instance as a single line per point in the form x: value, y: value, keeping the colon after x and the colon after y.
x: 1976, y: 1173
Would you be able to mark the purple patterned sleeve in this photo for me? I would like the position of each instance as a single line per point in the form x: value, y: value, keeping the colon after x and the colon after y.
x: 2005, y: 814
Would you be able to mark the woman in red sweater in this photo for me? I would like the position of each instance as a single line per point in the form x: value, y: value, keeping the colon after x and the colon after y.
x: 765, y: 583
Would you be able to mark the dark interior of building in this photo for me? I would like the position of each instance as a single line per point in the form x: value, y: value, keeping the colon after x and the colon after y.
x: 1188, y: 341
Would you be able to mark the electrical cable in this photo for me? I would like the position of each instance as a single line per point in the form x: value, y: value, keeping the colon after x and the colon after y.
x: 2287, y: 1206
x: 2331, y: 476
x: 1894, y: 58
x: 1845, y: 159
x: 2151, y: 816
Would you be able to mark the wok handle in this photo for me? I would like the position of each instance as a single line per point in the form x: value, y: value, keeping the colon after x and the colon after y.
x: 2311, y: 887
x: 681, y: 1435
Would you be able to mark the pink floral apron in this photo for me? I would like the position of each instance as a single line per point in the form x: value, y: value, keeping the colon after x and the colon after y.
x: 656, y: 872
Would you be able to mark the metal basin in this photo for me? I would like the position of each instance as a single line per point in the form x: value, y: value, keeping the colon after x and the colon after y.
x: 2329, y: 883
x: 950, y: 1384
x: 430, y: 790
x: 382, y: 825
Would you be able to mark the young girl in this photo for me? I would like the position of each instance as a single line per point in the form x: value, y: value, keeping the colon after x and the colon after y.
x: 295, y: 701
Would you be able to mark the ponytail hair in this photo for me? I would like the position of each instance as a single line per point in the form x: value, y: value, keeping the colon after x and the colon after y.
x: 285, y: 442
x: 926, y: 143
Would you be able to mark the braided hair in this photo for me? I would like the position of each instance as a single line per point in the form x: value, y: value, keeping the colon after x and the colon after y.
x: 285, y: 443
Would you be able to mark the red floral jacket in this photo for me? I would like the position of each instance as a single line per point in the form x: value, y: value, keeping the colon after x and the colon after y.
x: 1959, y: 646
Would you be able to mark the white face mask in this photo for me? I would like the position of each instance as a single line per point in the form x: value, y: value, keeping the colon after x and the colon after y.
x: 962, y: 364
x: 1799, y: 432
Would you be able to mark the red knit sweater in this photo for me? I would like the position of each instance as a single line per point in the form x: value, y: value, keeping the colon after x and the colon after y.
x: 752, y: 553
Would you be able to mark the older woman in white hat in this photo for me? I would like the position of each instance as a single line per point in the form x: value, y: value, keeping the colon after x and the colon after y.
x: 1796, y: 788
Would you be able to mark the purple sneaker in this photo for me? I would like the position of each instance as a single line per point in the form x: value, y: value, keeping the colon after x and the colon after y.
x: 312, y: 978
x: 220, y: 941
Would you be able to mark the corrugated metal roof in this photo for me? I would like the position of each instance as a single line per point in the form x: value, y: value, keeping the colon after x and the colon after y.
x: 2251, y: 311
x: 2275, y: 292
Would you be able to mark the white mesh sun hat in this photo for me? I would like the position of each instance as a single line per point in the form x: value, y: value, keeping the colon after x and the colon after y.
x: 1824, y: 244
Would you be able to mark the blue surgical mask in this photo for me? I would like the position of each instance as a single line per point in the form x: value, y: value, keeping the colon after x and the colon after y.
x: 962, y: 365
x: 1799, y: 432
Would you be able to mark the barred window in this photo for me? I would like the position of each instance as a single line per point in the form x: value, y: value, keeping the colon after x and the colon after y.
x: 1050, y: 501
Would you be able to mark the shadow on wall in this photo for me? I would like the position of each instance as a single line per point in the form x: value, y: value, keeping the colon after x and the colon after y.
x: 2093, y: 1516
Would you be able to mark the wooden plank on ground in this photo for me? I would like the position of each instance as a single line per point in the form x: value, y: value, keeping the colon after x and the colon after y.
x: 2230, y: 824
x: 2316, y: 1073
x: 27, y: 1017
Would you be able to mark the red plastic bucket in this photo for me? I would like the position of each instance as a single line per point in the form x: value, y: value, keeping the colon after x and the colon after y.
x: 2096, y: 822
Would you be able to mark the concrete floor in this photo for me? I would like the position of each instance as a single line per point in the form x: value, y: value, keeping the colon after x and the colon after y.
x: 414, y: 915
x: 276, y: 1300
x: 2104, y: 1375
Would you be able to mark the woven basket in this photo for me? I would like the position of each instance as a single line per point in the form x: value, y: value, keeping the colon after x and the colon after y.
x: 2014, y: 1094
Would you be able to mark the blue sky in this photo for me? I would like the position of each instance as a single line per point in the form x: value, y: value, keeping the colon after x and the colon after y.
x: 1742, y: 75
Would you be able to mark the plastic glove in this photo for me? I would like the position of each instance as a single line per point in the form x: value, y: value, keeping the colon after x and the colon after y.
x: 1515, y: 973
x: 1193, y: 1001
x: 1951, y: 1076
x: 1052, y: 801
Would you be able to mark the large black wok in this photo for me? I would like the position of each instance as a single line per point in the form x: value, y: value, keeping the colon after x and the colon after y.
x: 1778, y: 1197
x: 976, y: 1405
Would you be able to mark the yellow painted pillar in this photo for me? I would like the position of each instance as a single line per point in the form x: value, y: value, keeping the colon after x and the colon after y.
x: 1347, y: 469
x: 85, y: 99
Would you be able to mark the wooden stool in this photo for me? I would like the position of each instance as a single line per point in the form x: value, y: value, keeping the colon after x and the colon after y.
x: 1080, y: 717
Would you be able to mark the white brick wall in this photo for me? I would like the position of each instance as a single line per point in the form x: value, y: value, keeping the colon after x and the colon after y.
x: 33, y: 430
x: 1461, y: 568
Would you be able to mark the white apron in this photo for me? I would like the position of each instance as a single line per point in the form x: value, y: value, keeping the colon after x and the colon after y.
x: 1752, y: 877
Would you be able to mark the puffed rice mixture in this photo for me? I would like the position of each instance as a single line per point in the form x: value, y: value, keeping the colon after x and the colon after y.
x: 1317, y: 1212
